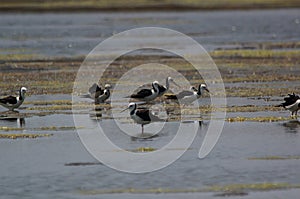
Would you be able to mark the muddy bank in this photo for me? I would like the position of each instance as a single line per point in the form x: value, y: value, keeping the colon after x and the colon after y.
x: 115, y: 6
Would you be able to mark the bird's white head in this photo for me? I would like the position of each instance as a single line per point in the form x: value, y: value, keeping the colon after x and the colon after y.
x: 107, y: 86
x: 203, y: 87
x: 23, y: 90
x: 131, y: 107
x: 155, y: 84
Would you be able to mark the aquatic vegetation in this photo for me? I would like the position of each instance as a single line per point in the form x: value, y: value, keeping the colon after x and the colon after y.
x: 93, y: 5
x: 17, y: 136
x: 275, y: 158
x: 229, y: 189
x: 256, y: 119
x: 6, y: 128
x: 45, y: 128
x: 256, y: 54
x: 144, y: 149
x: 253, y: 187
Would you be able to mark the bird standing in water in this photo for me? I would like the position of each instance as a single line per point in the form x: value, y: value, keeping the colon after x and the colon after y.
x: 292, y: 103
x: 12, y: 102
x: 141, y: 116
x: 188, y: 97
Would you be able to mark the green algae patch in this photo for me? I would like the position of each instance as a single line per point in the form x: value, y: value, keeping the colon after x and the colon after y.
x: 256, y: 119
x: 18, y: 136
x: 275, y: 158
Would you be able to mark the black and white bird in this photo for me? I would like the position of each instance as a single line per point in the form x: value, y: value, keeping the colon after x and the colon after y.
x: 292, y: 103
x: 147, y: 94
x: 141, y: 116
x: 12, y: 102
x: 188, y: 97
x: 161, y: 88
x: 97, y: 93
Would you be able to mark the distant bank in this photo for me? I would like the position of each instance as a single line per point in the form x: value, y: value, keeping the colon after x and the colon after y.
x: 140, y: 5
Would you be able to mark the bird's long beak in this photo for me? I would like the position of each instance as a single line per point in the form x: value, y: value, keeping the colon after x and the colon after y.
x: 206, y: 90
x: 124, y: 110
x: 176, y: 84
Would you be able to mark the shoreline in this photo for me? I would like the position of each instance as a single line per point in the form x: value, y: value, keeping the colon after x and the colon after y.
x: 144, y: 7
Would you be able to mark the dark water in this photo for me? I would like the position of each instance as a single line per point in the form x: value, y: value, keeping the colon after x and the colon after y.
x: 59, y: 34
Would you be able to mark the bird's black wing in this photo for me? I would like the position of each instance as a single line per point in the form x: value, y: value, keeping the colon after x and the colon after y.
x: 291, y: 99
x: 142, y: 93
x: 161, y: 88
x: 9, y: 100
x: 146, y: 115
x: 96, y: 90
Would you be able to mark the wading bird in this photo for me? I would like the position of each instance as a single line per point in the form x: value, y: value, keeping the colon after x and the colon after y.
x: 141, y: 116
x: 292, y: 103
x: 97, y: 93
x: 12, y: 102
x: 188, y: 97
x: 147, y: 94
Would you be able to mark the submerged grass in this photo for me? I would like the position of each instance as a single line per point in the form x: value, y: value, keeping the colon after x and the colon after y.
x: 275, y: 158
x: 256, y: 119
x: 45, y: 128
x: 17, y: 136
x: 256, y: 54
x: 215, y: 188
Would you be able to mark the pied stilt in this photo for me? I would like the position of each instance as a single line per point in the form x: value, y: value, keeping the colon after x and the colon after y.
x: 163, y: 89
x: 292, y: 103
x: 187, y: 97
x: 97, y: 93
x: 12, y: 102
x: 104, y: 95
x: 147, y: 94
x: 141, y: 116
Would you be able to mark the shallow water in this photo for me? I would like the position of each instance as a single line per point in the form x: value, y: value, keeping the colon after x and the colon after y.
x: 61, y: 34
x: 35, y: 168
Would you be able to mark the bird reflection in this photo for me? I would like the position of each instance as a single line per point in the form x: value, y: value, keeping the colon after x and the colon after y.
x: 13, y: 118
x: 101, y: 112
x: 292, y: 126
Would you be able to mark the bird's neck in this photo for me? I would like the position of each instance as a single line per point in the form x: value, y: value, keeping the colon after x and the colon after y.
x: 21, y: 96
x: 155, y: 89
x: 132, y: 112
x: 199, y: 92
x: 167, y: 84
